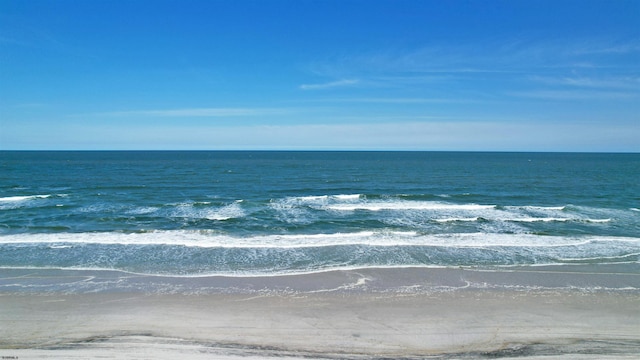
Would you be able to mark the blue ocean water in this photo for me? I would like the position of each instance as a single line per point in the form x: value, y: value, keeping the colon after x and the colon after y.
x: 262, y: 213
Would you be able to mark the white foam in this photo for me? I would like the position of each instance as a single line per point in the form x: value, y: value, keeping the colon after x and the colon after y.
x: 348, y: 197
x: 320, y: 270
x: 423, y: 214
x: 309, y: 198
x: 596, y: 220
x: 600, y: 258
x: 23, y: 198
x: 537, y: 208
x: 231, y: 211
x: 289, y: 211
x: 55, y: 246
x: 536, y: 219
x: 323, y: 198
x: 143, y: 210
x: 522, y: 219
x: 234, y: 274
x: 552, y: 219
x: 407, y: 205
x: 203, y: 211
x: 212, y: 239
x: 300, y: 210
x: 457, y: 219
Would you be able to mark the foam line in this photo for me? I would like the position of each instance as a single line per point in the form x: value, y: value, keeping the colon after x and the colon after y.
x: 211, y: 239
x: 407, y: 205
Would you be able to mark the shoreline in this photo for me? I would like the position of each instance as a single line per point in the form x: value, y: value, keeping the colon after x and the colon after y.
x: 369, y: 313
x: 408, y: 279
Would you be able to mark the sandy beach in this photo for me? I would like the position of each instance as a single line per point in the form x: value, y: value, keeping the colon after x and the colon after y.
x: 370, y: 313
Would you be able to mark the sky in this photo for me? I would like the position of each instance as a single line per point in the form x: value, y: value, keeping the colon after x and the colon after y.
x: 489, y: 75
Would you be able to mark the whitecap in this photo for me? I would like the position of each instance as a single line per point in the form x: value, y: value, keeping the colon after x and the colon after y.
x: 23, y: 198
x: 231, y: 211
x: 322, y: 198
x: 289, y: 210
x: 538, y: 208
x: 537, y: 219
x: 59, y: 246
x: 309, y: 198
x: 200, y: 210
x: 347, y: 197
x: 596, y: 220
x: 406, y: 205
x: 143, y: 210
x: 458, y: 219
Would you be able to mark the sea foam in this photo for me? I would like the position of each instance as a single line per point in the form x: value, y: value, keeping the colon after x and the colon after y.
x: 212, y: 239
x: 406, y: 205
x: 23, y: 198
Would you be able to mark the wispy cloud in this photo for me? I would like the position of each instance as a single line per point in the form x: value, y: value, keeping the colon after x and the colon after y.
x: 329, y: 85
x: 11, y: 41
x: 394, y: 100
x: 30, y: 105
x: 575, y: 95
x: 500, y: 56
x: 628, y: 82
x: 591, y: 87
x: 608, y: 47
x: 196, y: 112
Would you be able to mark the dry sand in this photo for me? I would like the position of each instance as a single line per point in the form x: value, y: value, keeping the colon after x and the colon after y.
x: 346, y: 321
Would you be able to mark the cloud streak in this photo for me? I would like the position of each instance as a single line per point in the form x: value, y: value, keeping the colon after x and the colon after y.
x: 195, y: 112
x: 394, y: 100
x: 498, y: 57
x: 568, y: 95
x: 628, y: 82
x: 329, y: 85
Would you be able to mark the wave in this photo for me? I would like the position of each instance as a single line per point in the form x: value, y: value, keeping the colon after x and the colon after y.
x: 551, y: 219
x: 204, y: 210
x: 323, y: 198
x: 235, y: 274
x: 458, y: 220
x: 539, y: 208
x: 20, y: 198
x: 188, y: 252
x: 521, y: 220
x: 11, y: 199
x: 446, y: 212
x: 632, y: 256
x: 407, y: 205
x: 21, y: 201
x: 143, y: 210
x: 213, y: 239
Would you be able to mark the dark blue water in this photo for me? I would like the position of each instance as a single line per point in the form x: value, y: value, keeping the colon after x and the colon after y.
x: 194, y: 213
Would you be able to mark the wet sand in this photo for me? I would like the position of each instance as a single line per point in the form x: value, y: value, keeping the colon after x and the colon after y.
x: 410, y: 313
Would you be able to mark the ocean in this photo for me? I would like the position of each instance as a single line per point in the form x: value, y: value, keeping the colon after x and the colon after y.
x: 272, y: 213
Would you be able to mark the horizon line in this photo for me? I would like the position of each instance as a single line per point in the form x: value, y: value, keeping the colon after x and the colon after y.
x: 325, y: 150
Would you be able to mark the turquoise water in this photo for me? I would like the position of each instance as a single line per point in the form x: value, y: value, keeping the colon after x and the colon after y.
x: 251, y: 213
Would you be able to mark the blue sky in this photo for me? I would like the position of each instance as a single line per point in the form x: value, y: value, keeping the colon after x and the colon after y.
x: 315, y: 75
